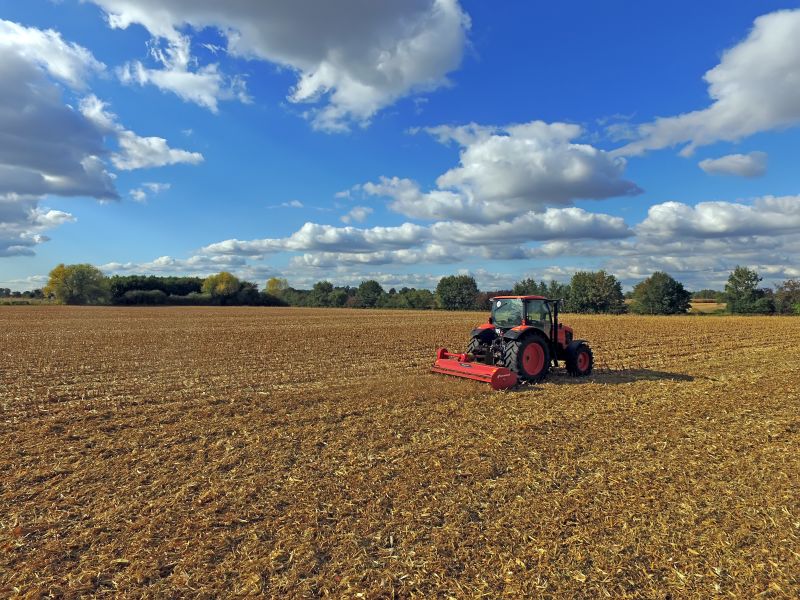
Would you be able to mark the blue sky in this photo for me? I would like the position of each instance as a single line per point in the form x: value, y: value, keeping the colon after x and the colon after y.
x: 400, y: 140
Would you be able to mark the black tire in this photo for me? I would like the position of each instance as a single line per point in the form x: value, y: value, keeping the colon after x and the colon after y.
x: 577, y: 365
x: 477, y: 349
x: 516, y: 354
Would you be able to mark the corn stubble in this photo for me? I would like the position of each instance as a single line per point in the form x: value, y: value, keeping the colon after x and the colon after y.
x: 304, y: 453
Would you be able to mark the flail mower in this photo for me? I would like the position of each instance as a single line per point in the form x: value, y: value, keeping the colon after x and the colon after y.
x: 519, y: 343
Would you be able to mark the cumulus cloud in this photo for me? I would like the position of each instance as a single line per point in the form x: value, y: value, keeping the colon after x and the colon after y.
x: 765, y: 216
x: 45, y: 146
x: 357, y: 214
x: 508, y: 171
x: 753, y: 164
x: 143, y: 152
x: 753, y: 88
x: 427, y: 254
x: 146, y: 190
x: 65, y: 61
x: 568, y: 223
x: 135, y: 152
x: 352, y: 57
x: 49, y: 148
x: 313, y: 236
x: 198, y: 265
x: 23, y: 223
x: 564, y: 223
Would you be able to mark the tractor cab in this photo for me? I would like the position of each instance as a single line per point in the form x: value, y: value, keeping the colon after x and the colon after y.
x: 534, y: 311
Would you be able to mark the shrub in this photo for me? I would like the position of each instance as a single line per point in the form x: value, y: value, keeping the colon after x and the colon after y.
x: 147, y: 297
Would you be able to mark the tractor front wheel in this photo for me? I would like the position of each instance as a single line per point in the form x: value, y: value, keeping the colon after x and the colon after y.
x: 579, y: 359
x: 528, y: 358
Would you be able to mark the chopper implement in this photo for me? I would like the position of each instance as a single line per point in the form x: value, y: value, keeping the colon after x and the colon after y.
x: 464, y: 365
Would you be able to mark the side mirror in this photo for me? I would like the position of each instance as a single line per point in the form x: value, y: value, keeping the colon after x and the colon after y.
x: 491, y: 321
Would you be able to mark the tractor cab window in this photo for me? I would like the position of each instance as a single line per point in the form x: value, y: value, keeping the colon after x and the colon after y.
x: 539, y: 315
x: 507, y: 312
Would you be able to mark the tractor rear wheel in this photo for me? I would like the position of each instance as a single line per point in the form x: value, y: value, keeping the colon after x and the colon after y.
x: 580, y: 360
x: 478, y: 350
x: 528, y: 358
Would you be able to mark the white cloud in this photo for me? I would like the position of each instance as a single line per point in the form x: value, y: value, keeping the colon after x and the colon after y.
x: 68, y: 62
x: 23, y: 223
x: 753, y: 88
x: 508, y: 171
x: 766, y: 216
x: 289, y: 204
x: 427, y: 254
x: 45, y: 146
x: 143, y: 152
x: 569, y: 223
x: 135, y: 152
x: 564, y: 223
x: 198, y: 265
x: 357, y: 214
x: 141, y: 194
x: 49, y: 148
x: 753, y: 164
x: 205, y: 86
x: 313, y: 236
x: 352, y: 57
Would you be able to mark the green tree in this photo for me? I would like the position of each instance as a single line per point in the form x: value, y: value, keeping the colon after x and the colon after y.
x: 338, y: 297
x: 77, y: 284
x: 741, y: 291
x: 320, y: 294
x: 420, y: 299
x: 369, y: 293
x: 222, y: 285
x: 787, y: 296
x: 595, y: 292
x: 276, y: 286
x: 660, y: 294
x: 457, y: 292
x: 557, y: 290
x: 530, y: 287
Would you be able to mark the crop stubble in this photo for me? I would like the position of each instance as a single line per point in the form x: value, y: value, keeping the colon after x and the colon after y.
x: 308, y: 452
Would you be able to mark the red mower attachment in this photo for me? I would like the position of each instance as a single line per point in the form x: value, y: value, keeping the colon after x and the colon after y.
x: 463, y: 365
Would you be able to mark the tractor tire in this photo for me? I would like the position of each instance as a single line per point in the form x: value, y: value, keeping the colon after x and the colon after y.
x: 477, y: 350
x: 580, y: 359
x: 529, y: 358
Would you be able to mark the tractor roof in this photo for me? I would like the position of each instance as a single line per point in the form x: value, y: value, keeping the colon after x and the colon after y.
x: 519, y: 297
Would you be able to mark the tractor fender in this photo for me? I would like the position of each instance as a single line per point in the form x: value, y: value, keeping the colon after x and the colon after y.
x: 573, y: 346
x: 520, y: 332
x: 484, y: 334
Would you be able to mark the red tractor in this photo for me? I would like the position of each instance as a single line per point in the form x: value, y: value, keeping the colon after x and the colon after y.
x: 520, y: 342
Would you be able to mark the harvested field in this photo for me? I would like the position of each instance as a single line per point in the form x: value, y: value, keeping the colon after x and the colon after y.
x: 208, y: 452
x: 707, y: 307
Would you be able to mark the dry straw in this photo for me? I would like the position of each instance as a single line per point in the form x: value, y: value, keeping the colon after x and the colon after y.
x: 309, y: 453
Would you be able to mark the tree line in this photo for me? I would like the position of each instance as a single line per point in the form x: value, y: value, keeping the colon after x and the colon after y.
x: 586, y: 292
x: 86, y: 284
